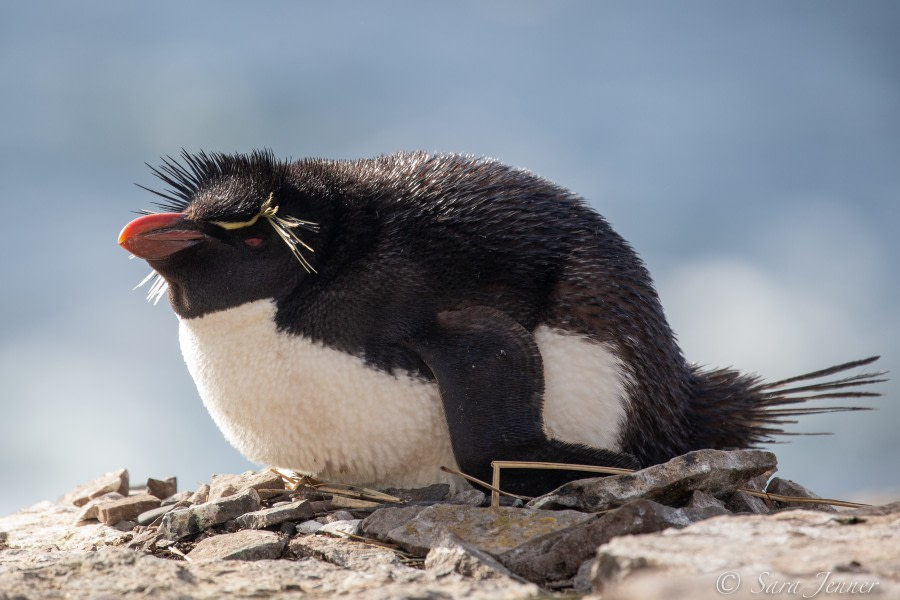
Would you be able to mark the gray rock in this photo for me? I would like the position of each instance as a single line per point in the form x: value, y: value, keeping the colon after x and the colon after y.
x: 179, y: 524
x: 345, y: 553
x: 148, y: 517
x: 338, y: 515
x: 223, y: 486
x: 716, y: 472
x: 47, y: 556
x: 114, y: 481
x: 786, y: 487
x: 742, y: 502
x: 342, y: 528
x: 381, y: 522
x: 452, y: 555
x: 492, y: 530
x: 269, y: 517
x: 558, y: 557
x: 703, y: 500
x: 162, y: 488
x: 125, y: 509
x: 469, y: 498
x: 244, y: 545
x: 581, y: 583
x: 794, y: 547
x: 308, y: 527
x: 4, y: 540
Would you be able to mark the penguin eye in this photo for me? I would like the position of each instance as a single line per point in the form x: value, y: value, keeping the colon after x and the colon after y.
x: 253, y: 242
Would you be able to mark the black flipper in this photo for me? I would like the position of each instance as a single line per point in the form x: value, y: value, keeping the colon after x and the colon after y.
x: 490, y: 374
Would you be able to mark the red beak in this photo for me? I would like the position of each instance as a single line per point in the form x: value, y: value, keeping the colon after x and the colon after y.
x: 157, y: 236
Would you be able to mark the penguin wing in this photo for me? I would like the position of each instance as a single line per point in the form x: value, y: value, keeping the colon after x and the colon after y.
x: 490, y: 375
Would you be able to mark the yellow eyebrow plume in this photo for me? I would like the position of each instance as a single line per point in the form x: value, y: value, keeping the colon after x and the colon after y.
x: 283, y: 226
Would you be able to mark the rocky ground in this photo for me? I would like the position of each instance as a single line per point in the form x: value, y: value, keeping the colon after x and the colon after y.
x: 703, y: 525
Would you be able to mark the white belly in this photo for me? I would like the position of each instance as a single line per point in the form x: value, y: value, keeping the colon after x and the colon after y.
x: 287, y: 401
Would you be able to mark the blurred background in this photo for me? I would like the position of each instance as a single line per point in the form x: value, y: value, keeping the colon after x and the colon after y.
x: 749, y: 151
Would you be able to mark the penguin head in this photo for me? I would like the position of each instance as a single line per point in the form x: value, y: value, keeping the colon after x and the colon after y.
x: 235, y: 228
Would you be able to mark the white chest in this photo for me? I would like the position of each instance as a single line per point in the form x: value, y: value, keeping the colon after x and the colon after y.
x: 286, y: 401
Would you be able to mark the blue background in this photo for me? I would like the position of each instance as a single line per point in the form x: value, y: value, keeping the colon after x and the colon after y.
x: 749, y: 151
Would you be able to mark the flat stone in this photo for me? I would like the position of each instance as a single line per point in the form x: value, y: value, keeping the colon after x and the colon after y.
x: 149, y: 516
x: 786, y: 487
x: 244, y: 545
x: 223, y: 486
x: 345, y: 553
x: 492, y: 530
x: 269, y: 517
x: 742, y: 502
x: 114, y: 481
x: 558, y: 557
x: 126, y: 509
x: 308, y: 527
x: 796, y: 548
x: 452, y: 555
x: 181, y: 523
x: 717, y: 472
x: 162, y: 488
x: 342, y: 528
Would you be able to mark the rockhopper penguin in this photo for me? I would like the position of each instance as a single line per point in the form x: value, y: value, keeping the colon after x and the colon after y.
x: 369, y: 321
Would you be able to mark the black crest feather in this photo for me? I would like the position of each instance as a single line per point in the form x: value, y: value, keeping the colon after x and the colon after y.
x: 185, y: 178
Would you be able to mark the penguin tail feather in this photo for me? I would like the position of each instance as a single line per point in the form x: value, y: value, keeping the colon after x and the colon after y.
x: 737, y: 410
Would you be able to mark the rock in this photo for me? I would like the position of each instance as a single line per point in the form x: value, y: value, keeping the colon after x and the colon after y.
x: 492, y: 530
x: 345, y: 553
x: 558, y: 557
x: 381, y: 522
x: 91, y: 510
x: 742, y: 502
x: 114, y: 481
x: 703, y: 500
x: 307, y: 527
x: 181, y: 523
x: 148, y: 517
x: 4, y: 540
x: 716, y: 472
x: 201, y: 495
x: 243, y: 545
x: 125, y: 509
x: 342, y: 528
x: 469, y: 498
x: 873, y: 511
x: 162, y: 488
x: 47, y: 556
x: 269, y: 517
x: 437, y: 492
x: 743, y: 554
x: 185, y: 497
x: 786, y: 487
x: 223, y: 486
x: 339, y: 515
x: 452, y: 555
